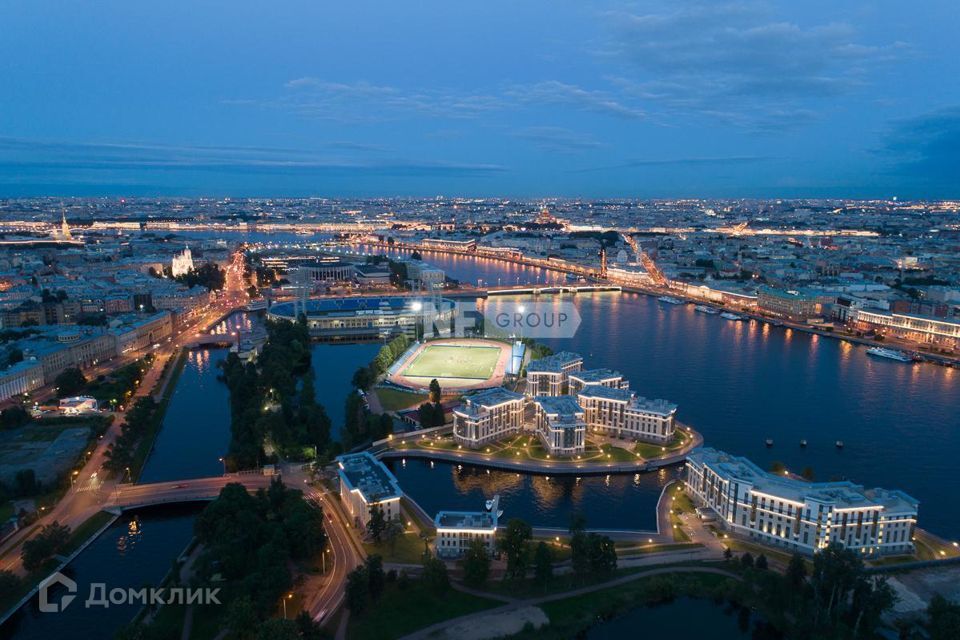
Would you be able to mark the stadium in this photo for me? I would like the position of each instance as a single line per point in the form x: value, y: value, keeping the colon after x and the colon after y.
x: 461, y: 364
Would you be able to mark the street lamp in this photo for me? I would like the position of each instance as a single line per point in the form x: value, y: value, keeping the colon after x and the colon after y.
x: 289, y: 595
x: 323, y: 558
x: 223, y: 462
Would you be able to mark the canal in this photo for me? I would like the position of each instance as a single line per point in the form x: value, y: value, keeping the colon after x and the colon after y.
x: 697, y: 618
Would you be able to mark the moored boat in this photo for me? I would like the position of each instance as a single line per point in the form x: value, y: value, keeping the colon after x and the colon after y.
x: 890, y: 354
x: 702, y: 308
x: 726, y: 315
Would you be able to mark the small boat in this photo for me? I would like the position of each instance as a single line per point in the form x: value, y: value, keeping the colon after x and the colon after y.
x: 572, y: 277
x: 769, y: 442
x: 726, y: 315
x: 670, y: 300
x: 702, y: 308
x: 839, y: 444
x: 890, y: 354
x: 803, y: 443
x: 489, y: 505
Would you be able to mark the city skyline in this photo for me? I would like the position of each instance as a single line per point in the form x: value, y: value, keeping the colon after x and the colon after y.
x: 611, y: 99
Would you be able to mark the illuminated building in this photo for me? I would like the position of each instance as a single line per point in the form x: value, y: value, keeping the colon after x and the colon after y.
x: 456, y: 530
x: 487, y: 416
x: 623, y: 414
x: 366, y: 483
x: 922, y: 329
x: 781, y: 511
x: 560, y: 425
x: 548, y: 376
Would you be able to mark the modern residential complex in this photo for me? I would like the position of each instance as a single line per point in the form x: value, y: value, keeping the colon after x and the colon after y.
x: 595, y: 377
x: 560, y: 425
x: 797, y: 515
x: 623, y: 414
x: 365, y: 483
x: 487, y: 416
x: 548, y: 376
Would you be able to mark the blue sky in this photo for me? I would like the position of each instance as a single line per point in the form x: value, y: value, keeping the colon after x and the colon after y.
x: 524, y: 98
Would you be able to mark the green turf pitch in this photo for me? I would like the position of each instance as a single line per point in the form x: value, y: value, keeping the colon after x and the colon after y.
x: 442, y: 361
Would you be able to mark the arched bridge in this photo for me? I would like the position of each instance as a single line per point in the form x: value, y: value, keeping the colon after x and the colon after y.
x: 132, y: 496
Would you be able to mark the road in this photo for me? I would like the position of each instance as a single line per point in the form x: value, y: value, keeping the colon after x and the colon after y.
x: 90, y: 489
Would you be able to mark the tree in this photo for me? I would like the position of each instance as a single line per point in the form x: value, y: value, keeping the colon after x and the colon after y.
x: 761, y: 562
x: 377, y: 524
x: 43, y: 546
x: 376, y: 579
x: 435, y: 575
x: 777, y: 467
x: 278, y: 629
x: 746, y: 560
x: 727, y: 553
x: 603, y: 554
x: 70, y: 382
x: 872, y: 597
x: 435, y: 391
x: 944, y: 617
x: 13, y: 417
x: 807, y: 474
x: 392, y: 531
x: 836, y: 571
x: 357, y: 590
x: 514, y: 545
x: 241, y: 619
x: 416, y: 256
x: 9, y: 584
x: 543, y: 563
x: 476, y: 563
x: 796, y: 570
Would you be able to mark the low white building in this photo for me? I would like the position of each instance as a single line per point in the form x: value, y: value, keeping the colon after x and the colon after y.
x: 797, y: 515
x: 20, y: 378
x: 456, y: 530
x: 366, y: 483
x: 549, y: 376
x: 623, y: 414
x: 560, y: 425
x: 78, y: 405
x: 487, y: 416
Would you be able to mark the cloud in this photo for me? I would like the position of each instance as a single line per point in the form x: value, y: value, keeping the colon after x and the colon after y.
x: 739, y: 57
x: 22, y: 154
x: 925, y: 148
x: 556, y: 92
x: 681, y: 162
x: 557, y: 139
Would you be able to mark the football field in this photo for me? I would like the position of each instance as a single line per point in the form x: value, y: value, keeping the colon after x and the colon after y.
x: 454, y: 361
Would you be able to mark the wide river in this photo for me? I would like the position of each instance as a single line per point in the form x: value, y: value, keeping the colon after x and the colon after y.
x: 740, y: 383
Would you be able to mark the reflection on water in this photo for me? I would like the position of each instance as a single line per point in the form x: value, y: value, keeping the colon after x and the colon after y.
x: 608, y: 502
x: 700, y: 619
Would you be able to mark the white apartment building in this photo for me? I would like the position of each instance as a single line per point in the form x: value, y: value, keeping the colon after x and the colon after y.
x: 797, y: 515
x: 456, y: 530
x: 560, y: 425
x: 591, y: 377
x: 138, y: 333
x: 623, y: 414
x: 366, y: 483
x: 549, y: 376
x: 487, y: 416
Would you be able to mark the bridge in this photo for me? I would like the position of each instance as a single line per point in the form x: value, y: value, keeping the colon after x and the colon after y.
x: 133, y: 496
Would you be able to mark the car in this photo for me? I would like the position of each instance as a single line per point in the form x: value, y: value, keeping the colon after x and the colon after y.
x: 320, y: 616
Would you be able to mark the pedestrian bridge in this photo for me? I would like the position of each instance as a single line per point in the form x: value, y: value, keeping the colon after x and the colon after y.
x: 133, y: 496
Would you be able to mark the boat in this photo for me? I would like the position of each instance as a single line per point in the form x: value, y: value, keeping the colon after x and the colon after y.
x: 890, y: 354
x: 572, y: 277
x: 726, y: 315
x: 769, y: 442
x: 803, y: 443
x: 489, y: 505
x: 702, y: 308
x: 670, y: 300
x: 839, y: 444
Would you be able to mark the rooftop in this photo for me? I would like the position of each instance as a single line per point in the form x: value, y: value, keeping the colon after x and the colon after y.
x: 842, y: 494
x: 491, y: 398
x: 559, y: 405
x: 366, y: 474
x: 596, y: 375
x: 554, y: 363
x: 466, y: 520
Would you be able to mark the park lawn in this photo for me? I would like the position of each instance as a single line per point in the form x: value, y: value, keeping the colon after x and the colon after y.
x: 397, y: 400
x: 86, y: 529
x: 647, y: 450
x: 403, y: 611
x: 610, y: 453
x: 443, y: 361
x: 406, y: 549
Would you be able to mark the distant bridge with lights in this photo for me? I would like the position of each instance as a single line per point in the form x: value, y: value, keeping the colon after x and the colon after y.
x: 135, y: 496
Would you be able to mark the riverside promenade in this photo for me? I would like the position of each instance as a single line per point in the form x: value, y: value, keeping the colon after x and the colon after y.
x: 405, y: 446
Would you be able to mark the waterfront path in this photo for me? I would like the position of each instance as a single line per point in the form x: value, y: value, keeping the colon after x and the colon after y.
x: 539, y: 467
x: 434, y: 630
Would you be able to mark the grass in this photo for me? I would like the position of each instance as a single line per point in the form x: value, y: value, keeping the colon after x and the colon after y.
x: 86, y: 529
x: 396, y: 400
x: 145, y: 446
x: 647, y: 450
x: 401, y: 611
x: 680, y: 504
x: 448, y: 361
x: 407, y: 548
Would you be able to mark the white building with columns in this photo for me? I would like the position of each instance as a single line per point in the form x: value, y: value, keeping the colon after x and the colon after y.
x: 622, y: 414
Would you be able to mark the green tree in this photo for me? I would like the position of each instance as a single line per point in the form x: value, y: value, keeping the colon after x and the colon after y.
x: 69, y: 382
x: 746, y: 560
x: 435, y: 391
x: 43, y: 546
x: 278, y: 629
x: 796, y: 571
x: 872, y: 597
x: 514, y: 545
x: 357, y: 590
x: 435, y: 575
x: 761, y: 562
x: 543, y: 563
x: 944, y: 619
x: 376, y: 579
x: 241, y: 619
x: 603, y: 554
x: 777, y: 467
x: 377, y: 524
x: 10, y: 585
x: 476, y: 563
